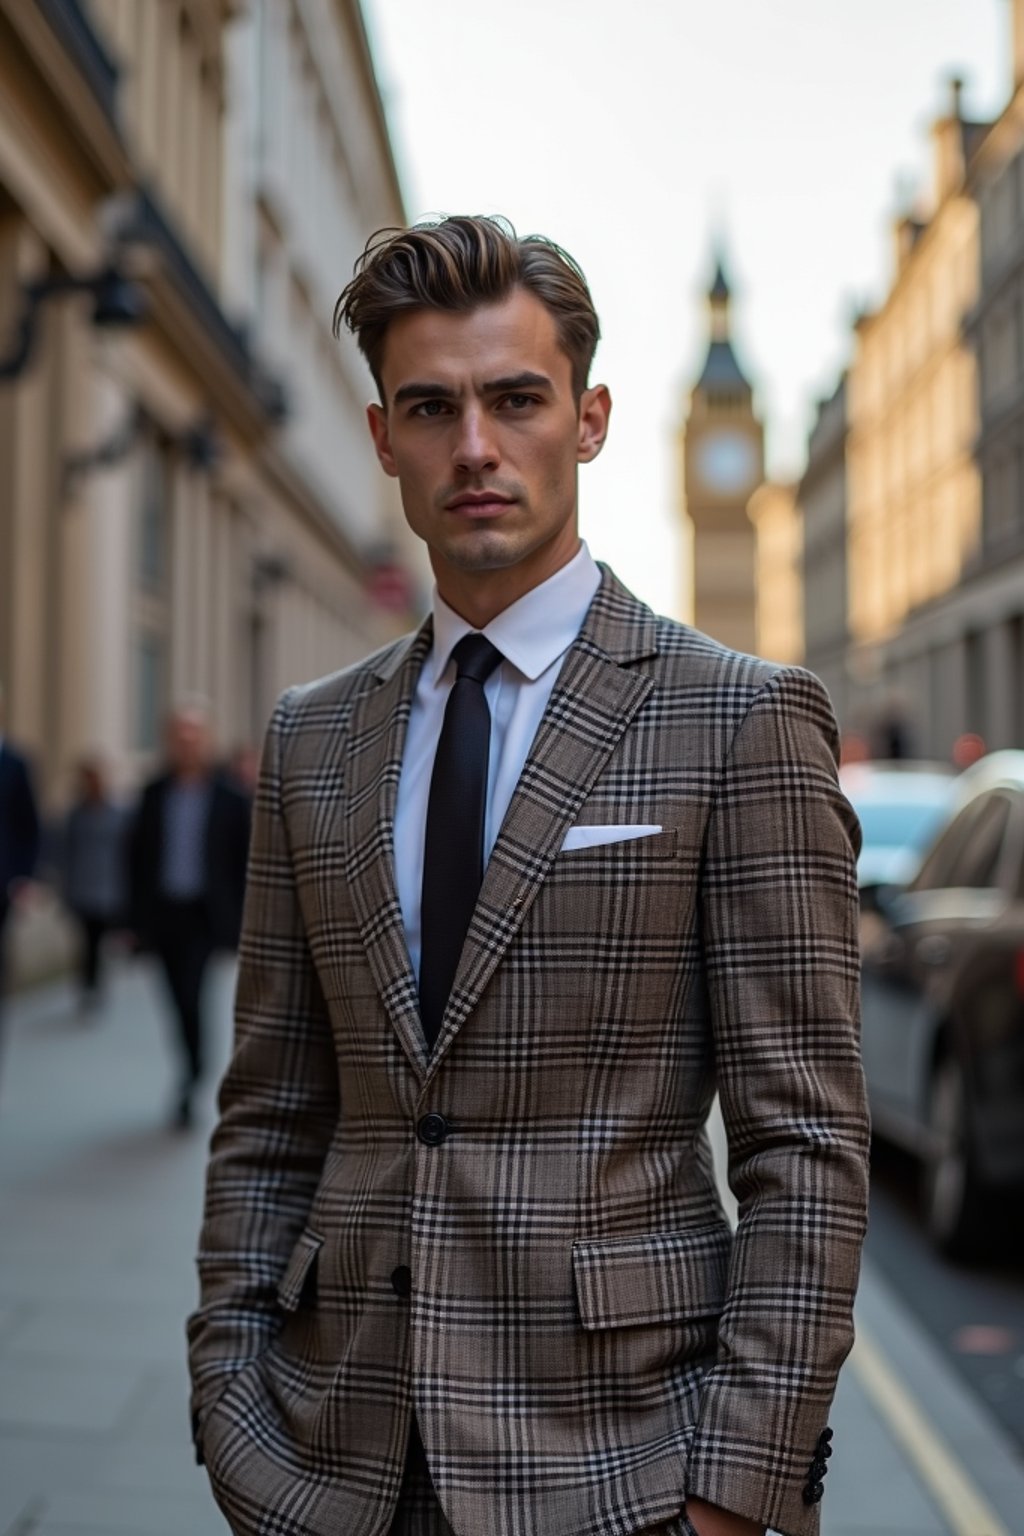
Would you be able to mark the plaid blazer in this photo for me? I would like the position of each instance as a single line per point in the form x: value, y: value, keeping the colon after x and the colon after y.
x: 518, y: 1237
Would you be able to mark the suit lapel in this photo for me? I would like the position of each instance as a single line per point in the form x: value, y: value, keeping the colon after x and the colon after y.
x: 375, y: 742
x: 592, y: 704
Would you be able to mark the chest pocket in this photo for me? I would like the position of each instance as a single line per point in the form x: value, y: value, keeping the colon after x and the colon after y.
x: 610, y: 909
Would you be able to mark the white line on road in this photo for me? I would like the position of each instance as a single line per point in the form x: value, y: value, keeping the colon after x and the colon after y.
x: 964, y: 1506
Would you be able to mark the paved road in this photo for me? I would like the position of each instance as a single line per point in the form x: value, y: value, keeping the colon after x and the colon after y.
x: 975, y: 1313
x: 99, y: 1209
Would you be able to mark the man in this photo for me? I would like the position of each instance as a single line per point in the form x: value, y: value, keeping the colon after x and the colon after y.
x: 188, y: 854
x: 464, y: 1266
x: 19, y: 833
x: 93, y: 868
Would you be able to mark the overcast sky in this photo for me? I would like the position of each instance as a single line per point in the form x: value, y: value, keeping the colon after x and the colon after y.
x: 631, y: 132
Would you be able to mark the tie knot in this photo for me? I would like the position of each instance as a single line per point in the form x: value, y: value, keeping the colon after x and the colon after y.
x: 475, y: 657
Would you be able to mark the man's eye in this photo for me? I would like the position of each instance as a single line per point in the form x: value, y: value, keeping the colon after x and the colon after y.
x: 429, y: 408
x: 519, y: 402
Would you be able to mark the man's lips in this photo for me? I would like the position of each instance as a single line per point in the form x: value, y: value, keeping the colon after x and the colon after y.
x: 480, y: 504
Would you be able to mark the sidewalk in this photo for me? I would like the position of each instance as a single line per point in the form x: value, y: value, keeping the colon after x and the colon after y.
x: 99, y: 1211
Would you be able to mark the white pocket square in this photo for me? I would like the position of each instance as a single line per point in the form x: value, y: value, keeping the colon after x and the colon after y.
x: 595, y: 837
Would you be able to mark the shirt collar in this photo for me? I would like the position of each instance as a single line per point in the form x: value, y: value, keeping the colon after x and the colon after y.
x: 533, y: 631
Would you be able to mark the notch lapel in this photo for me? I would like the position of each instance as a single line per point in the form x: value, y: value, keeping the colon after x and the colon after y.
x: 592, y: 705
x: 376, y: 740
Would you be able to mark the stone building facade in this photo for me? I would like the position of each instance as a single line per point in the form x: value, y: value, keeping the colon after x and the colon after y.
x: 914, y: 509
x: 775, y: 516
x: 936, y: 456
x: 821, y: 499
x: 188, y: 504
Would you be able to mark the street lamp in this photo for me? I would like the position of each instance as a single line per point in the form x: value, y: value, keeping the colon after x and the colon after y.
x: 118, y: 302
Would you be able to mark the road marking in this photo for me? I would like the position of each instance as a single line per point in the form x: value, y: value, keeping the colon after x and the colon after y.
x: 964, y: 1506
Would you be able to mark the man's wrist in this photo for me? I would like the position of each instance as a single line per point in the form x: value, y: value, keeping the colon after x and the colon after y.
x: 713, y: 1520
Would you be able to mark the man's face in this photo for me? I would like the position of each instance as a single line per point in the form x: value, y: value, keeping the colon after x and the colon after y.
x: 188, y: 741
x: 482, y: 429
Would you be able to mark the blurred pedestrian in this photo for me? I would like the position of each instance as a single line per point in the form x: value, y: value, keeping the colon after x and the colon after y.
x: 19, y: 833
x: 188, y: 852
x: 243, y: 768
x: 93, y: 862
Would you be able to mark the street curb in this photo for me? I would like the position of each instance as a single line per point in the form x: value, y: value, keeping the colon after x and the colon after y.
x: 988, y: 1455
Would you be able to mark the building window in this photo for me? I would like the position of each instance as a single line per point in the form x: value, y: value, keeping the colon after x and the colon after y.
x: 149, y: 683
x: 1016, y: 646
x: 151, y: 606
x: 154, y: 512
x: 977, y: 712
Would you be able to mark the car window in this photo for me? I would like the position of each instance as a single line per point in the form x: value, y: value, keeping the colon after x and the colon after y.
x: 976, y: 863
x: 967, y: 853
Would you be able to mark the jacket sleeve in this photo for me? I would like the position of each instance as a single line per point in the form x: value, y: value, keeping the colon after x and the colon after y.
x: 779, y: 913
x: 278, y: 1110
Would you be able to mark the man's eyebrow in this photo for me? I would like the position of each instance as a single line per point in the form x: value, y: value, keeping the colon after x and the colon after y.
x: 423, y: 391
x: 514, y: 381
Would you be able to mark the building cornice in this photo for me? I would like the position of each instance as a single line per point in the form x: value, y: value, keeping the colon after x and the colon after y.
x: 353, y: 21
x: 81, y: 78
x: 196, y: 326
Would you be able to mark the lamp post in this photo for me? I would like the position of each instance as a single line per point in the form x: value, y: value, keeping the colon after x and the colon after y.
x: 118, y: 302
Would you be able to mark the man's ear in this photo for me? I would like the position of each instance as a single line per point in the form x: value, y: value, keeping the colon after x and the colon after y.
x: 595, y: 412
x: 376, y: 418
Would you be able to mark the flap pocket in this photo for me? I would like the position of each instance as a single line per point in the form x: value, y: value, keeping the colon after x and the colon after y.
x: 300, y: 1274
x: 655, y: 1277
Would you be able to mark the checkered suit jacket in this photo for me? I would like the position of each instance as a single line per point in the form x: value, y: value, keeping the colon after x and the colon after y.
x: 583, y: 1341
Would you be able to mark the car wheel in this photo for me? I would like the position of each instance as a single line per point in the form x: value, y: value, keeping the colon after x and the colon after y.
x: 952, y: 1197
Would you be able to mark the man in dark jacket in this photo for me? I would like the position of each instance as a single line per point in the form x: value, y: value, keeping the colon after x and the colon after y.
x: 188, y: 855
x: 19, y: 830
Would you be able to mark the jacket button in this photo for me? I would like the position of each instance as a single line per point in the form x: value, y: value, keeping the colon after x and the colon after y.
x: 401, y: 1281
x: 818, y: 1469
x: 432, y: 1130
x: 825, y: 1436
x: 813, y: 1493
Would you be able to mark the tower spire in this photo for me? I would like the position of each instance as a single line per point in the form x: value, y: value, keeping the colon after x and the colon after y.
x: 719, y: 295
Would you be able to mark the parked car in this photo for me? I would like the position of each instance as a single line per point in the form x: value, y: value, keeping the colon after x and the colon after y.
x: 943, y: 1011
x: 901, y: 805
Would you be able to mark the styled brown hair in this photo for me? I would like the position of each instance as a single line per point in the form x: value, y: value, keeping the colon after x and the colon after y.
x: 458, y: 263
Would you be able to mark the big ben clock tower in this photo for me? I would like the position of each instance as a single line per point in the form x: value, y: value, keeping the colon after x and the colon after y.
x: 723, y: 463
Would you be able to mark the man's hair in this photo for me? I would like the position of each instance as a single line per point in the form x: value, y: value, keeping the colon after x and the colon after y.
x: 457, y: 264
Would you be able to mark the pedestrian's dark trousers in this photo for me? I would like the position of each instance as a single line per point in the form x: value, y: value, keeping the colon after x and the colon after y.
x: 5, y: 908
x: 92, y: 930
x: 184, y: 945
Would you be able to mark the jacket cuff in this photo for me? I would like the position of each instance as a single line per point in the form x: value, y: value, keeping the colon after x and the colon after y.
x: 786, y: 1499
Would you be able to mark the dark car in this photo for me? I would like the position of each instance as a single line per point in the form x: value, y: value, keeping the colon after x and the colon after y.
x: 900, y: 806
x: 943, y: 1006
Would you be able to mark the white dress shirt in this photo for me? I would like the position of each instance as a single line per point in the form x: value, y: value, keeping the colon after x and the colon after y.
x: 532, y: 635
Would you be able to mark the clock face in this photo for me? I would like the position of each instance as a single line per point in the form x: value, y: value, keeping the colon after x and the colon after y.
x: 726, y: 462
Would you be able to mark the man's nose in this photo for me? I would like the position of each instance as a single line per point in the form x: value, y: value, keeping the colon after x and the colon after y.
x: 476, y: 445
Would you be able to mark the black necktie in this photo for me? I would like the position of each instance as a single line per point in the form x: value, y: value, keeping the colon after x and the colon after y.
x: 453, y: 854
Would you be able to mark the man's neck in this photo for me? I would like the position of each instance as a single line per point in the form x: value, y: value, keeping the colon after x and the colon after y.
x: 479, y: 596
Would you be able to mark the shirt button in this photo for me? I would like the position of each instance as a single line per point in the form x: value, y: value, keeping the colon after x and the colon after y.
x: 432, y: 1130
x: 401, y: 1281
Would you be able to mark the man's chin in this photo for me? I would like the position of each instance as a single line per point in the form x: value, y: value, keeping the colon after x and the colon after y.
x: 486, y: 549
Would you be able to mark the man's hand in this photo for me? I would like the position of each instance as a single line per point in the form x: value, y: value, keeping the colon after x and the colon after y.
x: 712, y: 1520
